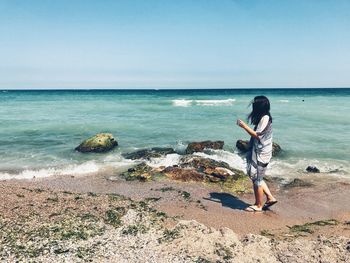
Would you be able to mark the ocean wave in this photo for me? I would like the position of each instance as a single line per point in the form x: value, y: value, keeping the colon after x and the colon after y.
x: 231, y: 158
x: 282, y: 168
x: 285, y: 101
x: 292, y: 168
x: 182, y: 103
x: 85, y: 168
x: 187, y: 103
x: 168, y: 160
x: 113, y: 162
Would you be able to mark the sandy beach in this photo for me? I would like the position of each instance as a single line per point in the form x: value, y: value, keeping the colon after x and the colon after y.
x: 80, y: 218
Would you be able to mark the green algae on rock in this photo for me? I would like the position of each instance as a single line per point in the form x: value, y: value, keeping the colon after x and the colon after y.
x: 192, y: 168
x: 141, y: 172
x: 101, y: 142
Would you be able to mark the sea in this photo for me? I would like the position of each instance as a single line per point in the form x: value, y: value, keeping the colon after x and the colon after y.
x: 39, y: 129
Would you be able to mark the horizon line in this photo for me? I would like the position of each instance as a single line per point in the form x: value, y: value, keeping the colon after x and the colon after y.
x: 169, y: 89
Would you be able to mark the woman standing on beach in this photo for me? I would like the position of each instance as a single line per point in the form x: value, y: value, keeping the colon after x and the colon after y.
x: 260, y: 151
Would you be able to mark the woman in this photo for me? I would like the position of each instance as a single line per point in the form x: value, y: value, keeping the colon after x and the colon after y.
x: 260, y: 151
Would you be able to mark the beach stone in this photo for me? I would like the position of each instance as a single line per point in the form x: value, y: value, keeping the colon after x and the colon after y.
x: 101, y: 142
x: 243, y: 146
x: 140, y: 172
x: 297, y: 183
x: 312, y: 169
x: 200, y: 146
x: 155, y: 152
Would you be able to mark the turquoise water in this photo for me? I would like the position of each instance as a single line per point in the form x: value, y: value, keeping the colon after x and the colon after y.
x: 40, y: 129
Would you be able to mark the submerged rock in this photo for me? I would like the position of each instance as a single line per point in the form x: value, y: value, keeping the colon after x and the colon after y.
x: 200, y: 146
x: 312, y: 169
x: 101, y: 142
x: 297, y: 183
x: 155, y: 152
x: 243, y: 146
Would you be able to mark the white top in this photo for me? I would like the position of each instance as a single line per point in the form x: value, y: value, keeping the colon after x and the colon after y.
x: 263, y: 123
x: 263, y: 146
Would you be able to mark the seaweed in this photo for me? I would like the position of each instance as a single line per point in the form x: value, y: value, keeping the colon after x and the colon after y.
x: 169, y: 235
x: 113, y: 216
x: 309, y: 227
x: 134, y: 230
x: 166, y: 189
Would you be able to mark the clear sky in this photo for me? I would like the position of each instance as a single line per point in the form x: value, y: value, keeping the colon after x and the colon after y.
x: 174, y: 44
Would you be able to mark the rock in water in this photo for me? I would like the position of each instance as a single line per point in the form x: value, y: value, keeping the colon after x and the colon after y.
x: 312, y: 169
x: 200, y: 146
x: 275, y: 149
x: 101, y: 142
x: 155, y: 152
x: 243, y: 146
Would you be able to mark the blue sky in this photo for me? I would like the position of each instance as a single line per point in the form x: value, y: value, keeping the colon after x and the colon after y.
x: 174, y: 44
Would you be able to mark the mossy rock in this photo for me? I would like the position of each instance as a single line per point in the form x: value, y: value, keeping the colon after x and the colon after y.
x: 140, y: 172
x: 101, y: 142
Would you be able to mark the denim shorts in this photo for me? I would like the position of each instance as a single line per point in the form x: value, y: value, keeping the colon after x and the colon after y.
x: 256, y: 173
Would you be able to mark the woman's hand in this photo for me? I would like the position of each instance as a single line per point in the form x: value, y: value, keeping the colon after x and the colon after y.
x: 245, y: 126
x: 241, y: 123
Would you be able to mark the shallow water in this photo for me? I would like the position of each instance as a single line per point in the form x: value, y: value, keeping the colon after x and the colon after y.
x: 40, y: 129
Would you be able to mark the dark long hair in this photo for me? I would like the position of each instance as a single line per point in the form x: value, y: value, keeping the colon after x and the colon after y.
x: 261, y: 107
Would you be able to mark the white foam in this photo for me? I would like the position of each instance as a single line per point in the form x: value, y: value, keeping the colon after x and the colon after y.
x: 285, y: 101
x: 168, y: 160
x: 226, y: 102
x: 85, y: 168
x: 110, y: 162
x: 292, y: 168
x: 187, y: 103
x: 180, y: 147
x: 182, y: 103
x: 233, y: 159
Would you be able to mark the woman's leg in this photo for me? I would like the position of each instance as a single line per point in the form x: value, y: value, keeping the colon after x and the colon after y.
x: 267, y: 192
x: 259, y: 195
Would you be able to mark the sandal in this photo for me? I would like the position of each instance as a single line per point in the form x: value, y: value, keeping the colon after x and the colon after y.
x: 270, y: 203
x: 253, y: 208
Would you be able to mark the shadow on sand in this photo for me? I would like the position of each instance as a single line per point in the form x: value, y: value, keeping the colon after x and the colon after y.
x: 227, y: 200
